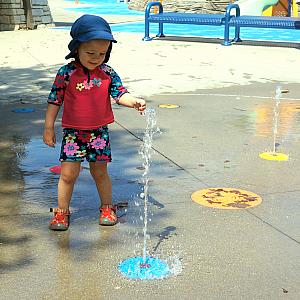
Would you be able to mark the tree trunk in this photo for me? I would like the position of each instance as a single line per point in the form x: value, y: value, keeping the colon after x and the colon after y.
x: 28, y: 14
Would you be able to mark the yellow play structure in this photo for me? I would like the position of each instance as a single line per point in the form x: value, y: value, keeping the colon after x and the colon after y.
x: 283, y: 8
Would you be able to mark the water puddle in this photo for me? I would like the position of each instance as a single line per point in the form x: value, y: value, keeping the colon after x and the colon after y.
x: 259, y: 120
x: 41, y: 184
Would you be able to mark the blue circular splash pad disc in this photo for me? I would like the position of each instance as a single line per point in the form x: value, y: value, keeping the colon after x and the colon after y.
x: 151, y: 268
x: 23, y: 110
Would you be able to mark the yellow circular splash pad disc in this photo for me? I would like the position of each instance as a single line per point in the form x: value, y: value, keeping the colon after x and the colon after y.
x: 273, y: 156
x: 168, y: 106
x: 226, y: 198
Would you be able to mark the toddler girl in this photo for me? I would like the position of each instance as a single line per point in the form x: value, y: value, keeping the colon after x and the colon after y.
x: 84, y: 87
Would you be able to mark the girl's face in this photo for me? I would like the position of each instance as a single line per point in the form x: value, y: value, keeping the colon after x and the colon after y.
x: 92, y: 53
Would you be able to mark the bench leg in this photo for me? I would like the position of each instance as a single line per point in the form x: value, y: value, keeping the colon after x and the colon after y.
x: 237, y: 34
x: 160, y: 30
x: 147, y: 37
x: 147, y: 14
x: 226, y: 41
x: 228, y: 18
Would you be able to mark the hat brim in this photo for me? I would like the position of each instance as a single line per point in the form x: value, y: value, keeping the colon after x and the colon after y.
x: 96, y: 35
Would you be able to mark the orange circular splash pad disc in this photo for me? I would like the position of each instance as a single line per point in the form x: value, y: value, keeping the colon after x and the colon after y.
x: 226, y: 198
x: 273, y: 156
x: 168, y: 106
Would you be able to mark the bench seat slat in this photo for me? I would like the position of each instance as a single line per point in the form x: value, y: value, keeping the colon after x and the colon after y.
x: 218, y: 19
x: 187, y: 18
x: 265, y: 22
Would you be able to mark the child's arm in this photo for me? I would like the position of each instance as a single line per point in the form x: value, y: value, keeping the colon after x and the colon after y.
x: 49, y: 133
x: 129, y: 101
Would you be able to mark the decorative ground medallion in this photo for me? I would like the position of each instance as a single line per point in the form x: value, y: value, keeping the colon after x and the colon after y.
x: 273, y: 156
x: 226, y: 198
x: 168, y: 106
x: 137, y: 268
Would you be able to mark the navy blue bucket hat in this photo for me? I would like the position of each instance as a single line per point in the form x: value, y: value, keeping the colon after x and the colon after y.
x: 86, y: 28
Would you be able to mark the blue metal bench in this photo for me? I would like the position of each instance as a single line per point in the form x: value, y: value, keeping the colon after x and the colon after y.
x: 228, y: 20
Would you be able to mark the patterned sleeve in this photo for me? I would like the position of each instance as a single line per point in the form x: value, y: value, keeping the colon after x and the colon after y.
x: 116, y: 89
x: 57, y: 92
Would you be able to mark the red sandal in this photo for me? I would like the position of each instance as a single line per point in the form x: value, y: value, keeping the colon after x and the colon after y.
x: 61, y: 220
x: 108, y: 215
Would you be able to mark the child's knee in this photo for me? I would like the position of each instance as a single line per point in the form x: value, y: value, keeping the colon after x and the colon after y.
x: 69, y: 177
x: 98, y: 172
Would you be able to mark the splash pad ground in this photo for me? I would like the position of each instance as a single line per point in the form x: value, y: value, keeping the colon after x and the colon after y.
x: 226, y: 254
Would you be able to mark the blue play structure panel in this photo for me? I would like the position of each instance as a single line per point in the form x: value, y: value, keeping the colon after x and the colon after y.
x: 137, y: 268
x: 22, y: 110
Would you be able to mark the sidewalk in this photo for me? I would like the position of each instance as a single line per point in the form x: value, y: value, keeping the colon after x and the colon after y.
x: 213, y: 139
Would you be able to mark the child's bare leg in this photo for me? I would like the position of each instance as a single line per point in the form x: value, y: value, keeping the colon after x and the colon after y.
x: 69, y: 174
x: 99, y: 173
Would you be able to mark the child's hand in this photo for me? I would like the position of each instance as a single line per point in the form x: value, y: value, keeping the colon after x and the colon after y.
x: 139, y: 105
x: 49, y: 137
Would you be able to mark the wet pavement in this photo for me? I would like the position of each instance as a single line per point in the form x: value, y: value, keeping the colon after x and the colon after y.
x: 224, y: 121
x: 212, y: 140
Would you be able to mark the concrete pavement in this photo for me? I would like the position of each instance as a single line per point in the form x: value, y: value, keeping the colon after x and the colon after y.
x: 213, y: 139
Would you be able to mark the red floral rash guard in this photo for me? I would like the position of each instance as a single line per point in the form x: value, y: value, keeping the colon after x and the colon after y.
x: 85, y: 95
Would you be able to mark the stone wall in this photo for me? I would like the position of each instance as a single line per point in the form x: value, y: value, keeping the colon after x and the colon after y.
x: 15, y: 15
x: 196, y: 6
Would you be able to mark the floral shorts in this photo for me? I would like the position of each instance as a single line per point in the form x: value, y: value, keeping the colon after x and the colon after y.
x: 90, y: 144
